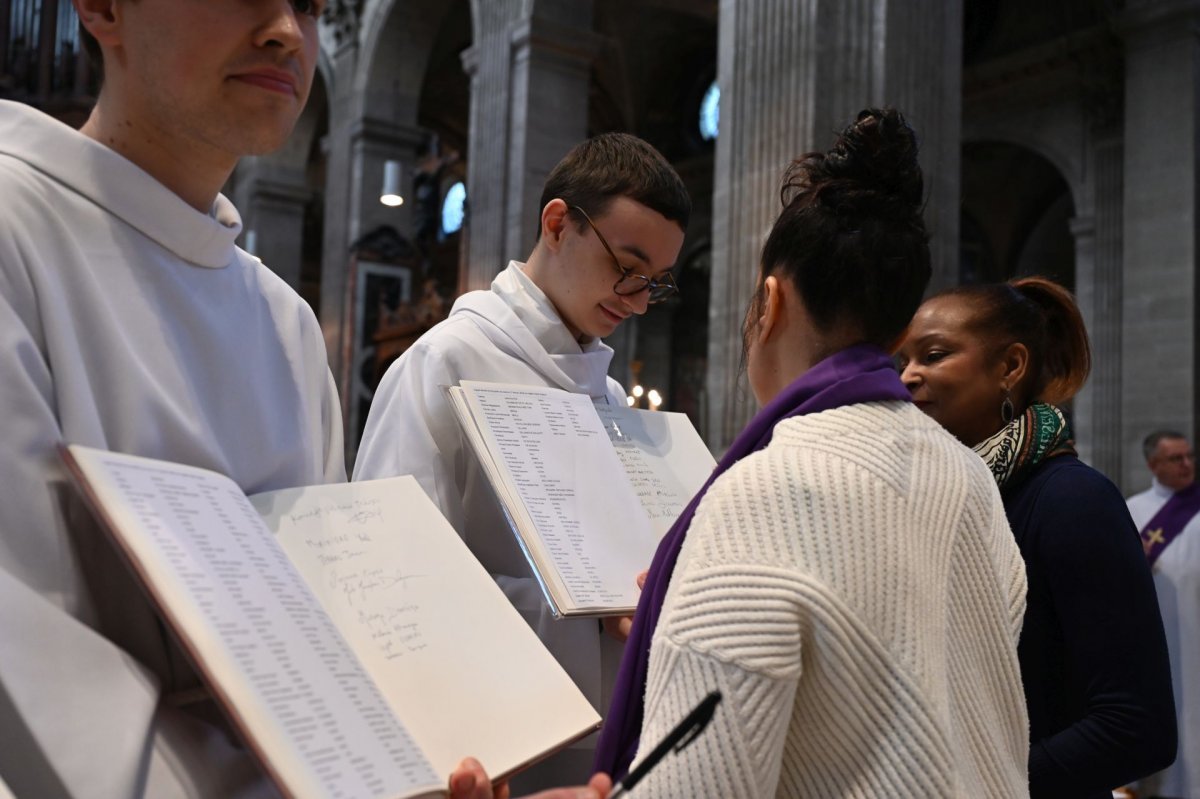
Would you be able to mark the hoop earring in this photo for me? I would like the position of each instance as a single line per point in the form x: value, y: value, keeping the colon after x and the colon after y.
x: 1006, y: 408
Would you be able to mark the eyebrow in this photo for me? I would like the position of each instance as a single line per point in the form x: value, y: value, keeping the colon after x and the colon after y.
x: 926, y: 338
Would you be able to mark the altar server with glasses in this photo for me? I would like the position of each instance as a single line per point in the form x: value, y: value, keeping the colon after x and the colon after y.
x: 613, y: 218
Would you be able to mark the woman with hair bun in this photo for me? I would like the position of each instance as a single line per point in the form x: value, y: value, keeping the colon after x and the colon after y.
x: 991, y: 363
x: 846, y: 578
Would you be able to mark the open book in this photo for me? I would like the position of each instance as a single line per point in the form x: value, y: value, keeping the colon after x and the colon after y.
x: 352, y: 638
x: 589, y: 489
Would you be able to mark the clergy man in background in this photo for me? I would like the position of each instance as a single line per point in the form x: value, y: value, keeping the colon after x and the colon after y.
x: 1168, y: 516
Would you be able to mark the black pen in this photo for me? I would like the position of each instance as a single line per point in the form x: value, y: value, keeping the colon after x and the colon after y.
x: 676, y: 741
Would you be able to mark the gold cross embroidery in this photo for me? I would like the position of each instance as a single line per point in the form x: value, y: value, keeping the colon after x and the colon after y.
x: 1155, y: 537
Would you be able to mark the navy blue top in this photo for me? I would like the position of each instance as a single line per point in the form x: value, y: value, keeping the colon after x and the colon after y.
x: 1092, y: 651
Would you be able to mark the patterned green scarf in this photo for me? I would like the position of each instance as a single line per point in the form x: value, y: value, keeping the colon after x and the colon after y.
x: 1017, y: 448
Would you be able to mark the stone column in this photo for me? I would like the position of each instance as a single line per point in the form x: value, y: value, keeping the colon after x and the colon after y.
x: 372, y: 142
x: 1098, y: 242
x: 792, y: 73
x: 530, y: 78
x: 47, y: 45
x: 5, y: 23
x: 272, y: 205
x: 341, y: 19
x: 1159, y: 291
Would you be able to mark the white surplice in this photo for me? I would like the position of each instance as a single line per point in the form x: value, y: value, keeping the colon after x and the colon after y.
x: 128, y: 321
x: 1177, y: 583
x: 508, y: 334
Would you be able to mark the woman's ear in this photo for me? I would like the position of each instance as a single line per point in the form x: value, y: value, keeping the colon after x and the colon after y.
x: 555, y: 219
x: 1015, y: 365
x: 770, y: 309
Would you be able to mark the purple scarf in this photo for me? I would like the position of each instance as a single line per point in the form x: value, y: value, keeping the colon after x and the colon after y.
x: 1168, y: 523
x: 862, y: 373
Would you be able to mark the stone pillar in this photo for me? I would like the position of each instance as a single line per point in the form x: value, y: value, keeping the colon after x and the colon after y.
x: 372, y: 142
x: 1159, y: 290
x: 5, y: 33
x: 1098, y: 242
x: 341, y: 19
x: 793, y: 72
x: 47, y: 45
x: 530, y: 79
x: 272, y: 205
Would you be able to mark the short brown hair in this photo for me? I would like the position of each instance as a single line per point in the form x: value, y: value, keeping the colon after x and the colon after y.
x: 597, y: 171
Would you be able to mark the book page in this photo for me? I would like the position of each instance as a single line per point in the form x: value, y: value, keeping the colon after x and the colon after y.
x: 559, y: 462
x: 510, y: 504
x: 664, y: 458
x: 255, y: 630
x: 449, y: 653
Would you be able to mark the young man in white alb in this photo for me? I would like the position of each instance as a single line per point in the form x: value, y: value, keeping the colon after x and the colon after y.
x: 130, y: 321
x: 612, y: 225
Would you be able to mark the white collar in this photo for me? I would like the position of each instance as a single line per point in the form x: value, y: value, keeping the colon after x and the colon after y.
x: 536, y: 312
x: 1160, y: 490
x: 119, y: 186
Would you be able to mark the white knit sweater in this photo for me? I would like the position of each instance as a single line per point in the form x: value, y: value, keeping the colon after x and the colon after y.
x: 855, y: 593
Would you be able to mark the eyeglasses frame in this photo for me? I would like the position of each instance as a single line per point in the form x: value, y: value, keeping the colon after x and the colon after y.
x: 647, y: 284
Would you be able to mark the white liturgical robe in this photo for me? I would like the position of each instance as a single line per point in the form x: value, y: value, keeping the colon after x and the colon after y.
x: 1177, y: 583
x: 508, y: 334
x: 128, y: 321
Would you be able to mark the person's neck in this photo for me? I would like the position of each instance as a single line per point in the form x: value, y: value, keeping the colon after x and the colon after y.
x: 195, y: 173
x: 804, y: 352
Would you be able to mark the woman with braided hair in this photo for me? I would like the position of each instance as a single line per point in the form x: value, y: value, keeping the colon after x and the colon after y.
x: 991, y: 364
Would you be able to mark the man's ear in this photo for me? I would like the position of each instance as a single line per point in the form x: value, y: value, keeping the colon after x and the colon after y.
x: 555, y: 219
x: 100, y: 18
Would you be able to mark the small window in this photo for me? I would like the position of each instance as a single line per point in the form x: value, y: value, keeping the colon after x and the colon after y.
x: 453, y: 208
x: 710, y: 112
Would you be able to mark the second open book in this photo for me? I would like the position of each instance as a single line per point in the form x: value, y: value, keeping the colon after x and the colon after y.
x: 360, y: 649
x: 589, y: 489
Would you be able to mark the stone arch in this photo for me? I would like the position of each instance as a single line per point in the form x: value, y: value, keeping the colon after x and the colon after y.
x: 1054, y: 139
x: 1019, y: 205
x: 398, y: 37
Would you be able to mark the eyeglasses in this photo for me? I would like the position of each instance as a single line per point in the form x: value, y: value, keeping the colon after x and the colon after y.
x: 1182, y: 457
x: 630, y: 282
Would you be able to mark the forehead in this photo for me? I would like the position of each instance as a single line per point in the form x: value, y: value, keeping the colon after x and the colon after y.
x: 941, y: 316
x: 636, y: 230
x: 1172, y: 446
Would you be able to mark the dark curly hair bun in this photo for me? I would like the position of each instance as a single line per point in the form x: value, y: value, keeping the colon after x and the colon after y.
x: 851, y: 236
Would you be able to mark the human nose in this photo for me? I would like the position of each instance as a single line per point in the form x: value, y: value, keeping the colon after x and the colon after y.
x: 281, y: 28
x: 637, y: 303
x: 910, y: 376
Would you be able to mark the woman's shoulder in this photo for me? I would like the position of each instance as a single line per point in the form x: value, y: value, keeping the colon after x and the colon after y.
x: 1066, y: 497
x: 1065, y: 478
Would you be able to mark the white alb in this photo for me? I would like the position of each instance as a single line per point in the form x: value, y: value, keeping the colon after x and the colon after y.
x: 1177, y: 584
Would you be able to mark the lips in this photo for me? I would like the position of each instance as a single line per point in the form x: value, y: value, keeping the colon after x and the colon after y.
x: 614, y: 317
x: 274, y: 80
